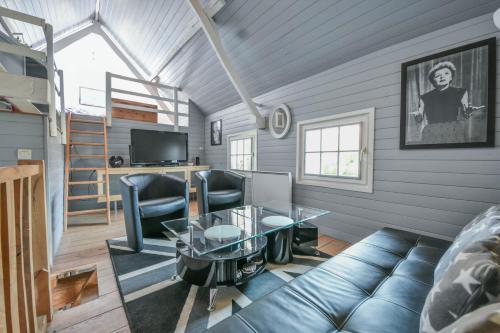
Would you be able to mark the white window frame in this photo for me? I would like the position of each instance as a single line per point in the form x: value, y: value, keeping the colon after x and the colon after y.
x: 240, y: 136
x: 367, y: 139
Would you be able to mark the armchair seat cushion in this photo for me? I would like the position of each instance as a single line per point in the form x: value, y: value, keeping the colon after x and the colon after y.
x: 161, y: 206
x: 223, y: 197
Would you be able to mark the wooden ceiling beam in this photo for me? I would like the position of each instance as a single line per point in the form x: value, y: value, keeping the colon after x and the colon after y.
x: 212, y: 34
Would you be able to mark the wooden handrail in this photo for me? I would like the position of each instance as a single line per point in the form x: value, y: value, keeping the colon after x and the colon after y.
x: 25, y: 294
x: 18, y: 172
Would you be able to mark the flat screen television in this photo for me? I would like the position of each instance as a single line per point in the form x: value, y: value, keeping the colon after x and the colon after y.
x: 157, y: 148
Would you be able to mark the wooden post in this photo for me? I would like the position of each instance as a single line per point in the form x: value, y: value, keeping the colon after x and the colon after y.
x: 28, y: 259
x: 3, y: 300
x: 109, y: 102
x: 8, y: 235
x: 39, y: 227
x: 21, y: 287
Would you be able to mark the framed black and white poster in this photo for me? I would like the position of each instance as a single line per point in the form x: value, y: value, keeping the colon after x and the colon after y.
x: 216, y: 132
x: 448, y: 99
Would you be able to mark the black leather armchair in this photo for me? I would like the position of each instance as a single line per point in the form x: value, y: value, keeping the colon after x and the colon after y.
x: 219, y: 189
x: 149, y: 199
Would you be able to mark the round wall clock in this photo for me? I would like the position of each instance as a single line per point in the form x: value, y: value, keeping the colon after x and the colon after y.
x: 280, y: 121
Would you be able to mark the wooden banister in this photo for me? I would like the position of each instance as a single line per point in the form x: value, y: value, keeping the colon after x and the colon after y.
x: 25, y: 294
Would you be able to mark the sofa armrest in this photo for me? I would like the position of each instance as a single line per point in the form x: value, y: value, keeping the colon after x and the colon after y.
x: 202, y: 191
x: 130, y: 202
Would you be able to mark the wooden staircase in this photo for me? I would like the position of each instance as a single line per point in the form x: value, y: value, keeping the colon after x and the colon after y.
x: 99, y: 131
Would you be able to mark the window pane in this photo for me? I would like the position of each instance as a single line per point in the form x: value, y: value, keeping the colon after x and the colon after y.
x: 248, y: 146
x: 239, y: 162
x: 240, y: 146
x: 349, y: 164
x: 312, y: 163
x: 233, y: 162
x: 247, y: 162
x: 234, y: 145
x: 183, y: 121
x: 330, y: 139
x: 329, y: 164
x: 313, y: 140
x: 349, y: 137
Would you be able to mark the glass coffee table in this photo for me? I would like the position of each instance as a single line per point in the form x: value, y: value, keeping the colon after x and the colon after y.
x: 231, y: 246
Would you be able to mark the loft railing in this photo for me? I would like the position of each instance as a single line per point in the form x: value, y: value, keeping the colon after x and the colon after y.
x: 25, y: 294
x: 169, y: 106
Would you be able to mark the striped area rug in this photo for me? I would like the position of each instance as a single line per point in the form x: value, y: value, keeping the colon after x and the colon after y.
x: 155, y: 303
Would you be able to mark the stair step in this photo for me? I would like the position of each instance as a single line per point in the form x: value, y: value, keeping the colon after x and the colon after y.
x: 86, y: 182
x: 86, y: 156
x: 77, y: 143
x: 87, y: 132
x: 88, y: 211
x: 87, y: 169
x: 87, y: 121
x: 85, y: 197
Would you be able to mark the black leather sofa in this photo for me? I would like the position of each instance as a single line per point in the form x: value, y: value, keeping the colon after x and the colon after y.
x: 218, y: 190
x: 149, y: 199
x: 377, y: 285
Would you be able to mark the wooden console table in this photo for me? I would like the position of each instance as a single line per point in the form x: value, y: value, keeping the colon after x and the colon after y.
x: 132, y: 170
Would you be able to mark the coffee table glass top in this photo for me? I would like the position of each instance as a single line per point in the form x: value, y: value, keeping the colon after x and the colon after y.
x: 223, y: 229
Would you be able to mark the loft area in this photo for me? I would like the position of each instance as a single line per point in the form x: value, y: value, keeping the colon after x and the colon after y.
x: 249, y: 166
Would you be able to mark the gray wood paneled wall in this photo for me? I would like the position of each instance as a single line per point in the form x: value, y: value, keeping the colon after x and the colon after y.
x: 434, y: 192
x: 20, y: 131
x: 29, y: 132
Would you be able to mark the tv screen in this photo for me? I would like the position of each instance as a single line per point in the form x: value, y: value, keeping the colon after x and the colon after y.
x: 155, y: 147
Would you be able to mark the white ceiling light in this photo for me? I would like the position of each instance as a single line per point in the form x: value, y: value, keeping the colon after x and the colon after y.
x: 496, y: 18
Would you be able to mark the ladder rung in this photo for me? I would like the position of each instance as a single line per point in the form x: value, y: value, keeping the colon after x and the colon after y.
x: 76, y: 143
x: 86, y: 182
x: 87, y: 132
x: 85, y: 197
x: 88, y: 211
x: 86, y: 169
x: 86, y: 156
x: 87, y: 121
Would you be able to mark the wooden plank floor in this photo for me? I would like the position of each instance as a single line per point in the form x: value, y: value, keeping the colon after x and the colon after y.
x: 86, y: 245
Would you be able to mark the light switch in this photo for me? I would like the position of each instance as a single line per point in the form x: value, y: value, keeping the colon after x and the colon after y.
x: 24, y: 154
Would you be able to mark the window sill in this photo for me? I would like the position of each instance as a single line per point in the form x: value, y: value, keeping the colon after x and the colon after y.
x: 339, y: 185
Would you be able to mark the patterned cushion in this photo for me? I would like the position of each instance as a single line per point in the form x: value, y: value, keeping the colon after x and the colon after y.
x: 472, y: 280
x: 478, y: 229
x: 484, y: 320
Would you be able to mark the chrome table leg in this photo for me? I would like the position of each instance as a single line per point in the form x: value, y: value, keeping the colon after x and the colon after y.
x: 211, y: 302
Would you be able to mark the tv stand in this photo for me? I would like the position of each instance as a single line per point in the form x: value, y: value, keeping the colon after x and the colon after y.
x: 186, y: 169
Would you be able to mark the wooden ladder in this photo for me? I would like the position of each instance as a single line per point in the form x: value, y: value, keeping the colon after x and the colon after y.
x: 101, y: 131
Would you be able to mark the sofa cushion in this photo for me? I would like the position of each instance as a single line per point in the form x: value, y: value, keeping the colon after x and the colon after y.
x: 161, y: 206
x: 223, y: 197
x: 472, y: 280
x: 480, y: 228
x: 367, y: 288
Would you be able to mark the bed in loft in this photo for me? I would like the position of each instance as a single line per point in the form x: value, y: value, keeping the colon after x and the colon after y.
x: 36, y: 87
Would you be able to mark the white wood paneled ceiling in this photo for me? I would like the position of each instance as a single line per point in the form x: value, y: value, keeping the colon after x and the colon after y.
x: 271, y: 42
x: 64, y: 15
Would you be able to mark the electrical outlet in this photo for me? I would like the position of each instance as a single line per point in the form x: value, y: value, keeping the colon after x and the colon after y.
x: 24, y: 154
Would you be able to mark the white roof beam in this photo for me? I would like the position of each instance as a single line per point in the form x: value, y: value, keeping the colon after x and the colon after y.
x: 6, y: 27
x: 212, y: 8
x: 22, y: 17
x: 97, y: 9
x: 213, y: 37
x: 67, y: 38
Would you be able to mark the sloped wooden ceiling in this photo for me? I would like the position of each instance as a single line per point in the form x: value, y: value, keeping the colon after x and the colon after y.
x: 271, y: 42
x: 64, y: 15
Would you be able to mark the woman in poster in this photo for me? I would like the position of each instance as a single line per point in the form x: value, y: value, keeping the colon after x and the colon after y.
x: 443, y: 109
